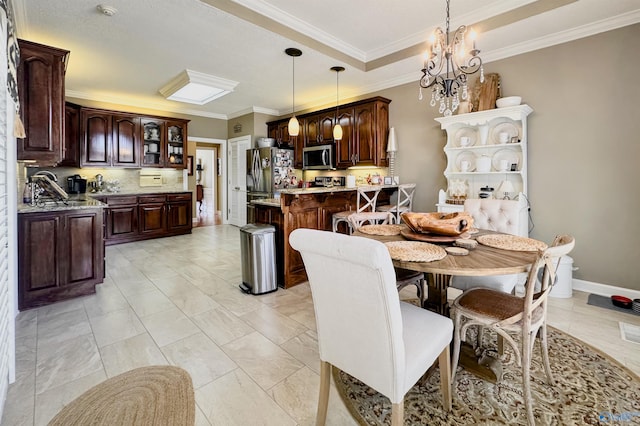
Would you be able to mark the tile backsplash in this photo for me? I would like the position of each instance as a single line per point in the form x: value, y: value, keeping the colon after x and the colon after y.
x: 128, y: 179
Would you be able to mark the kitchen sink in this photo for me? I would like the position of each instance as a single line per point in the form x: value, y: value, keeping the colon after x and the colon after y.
x: 68, y: 203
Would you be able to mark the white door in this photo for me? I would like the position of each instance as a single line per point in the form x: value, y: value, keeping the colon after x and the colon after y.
x: 237, y: 180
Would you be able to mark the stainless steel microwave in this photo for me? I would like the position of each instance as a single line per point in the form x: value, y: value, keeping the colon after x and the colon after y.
x: 321, y: 157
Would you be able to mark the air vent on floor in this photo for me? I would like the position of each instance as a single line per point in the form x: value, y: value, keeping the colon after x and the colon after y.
x: 629, y: 332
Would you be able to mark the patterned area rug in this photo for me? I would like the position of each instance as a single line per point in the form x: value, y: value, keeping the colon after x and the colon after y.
x: 591, y: 389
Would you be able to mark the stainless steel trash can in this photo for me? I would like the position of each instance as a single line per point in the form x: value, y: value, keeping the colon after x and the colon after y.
x: 258, y: 257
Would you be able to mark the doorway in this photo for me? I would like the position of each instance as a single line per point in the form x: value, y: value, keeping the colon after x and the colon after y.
x: 207, y: 182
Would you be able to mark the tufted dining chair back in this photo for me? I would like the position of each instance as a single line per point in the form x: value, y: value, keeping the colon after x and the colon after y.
x: 508, y: 216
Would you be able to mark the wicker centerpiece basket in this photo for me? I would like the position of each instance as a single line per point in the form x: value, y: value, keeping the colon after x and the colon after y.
x: 438, y: 223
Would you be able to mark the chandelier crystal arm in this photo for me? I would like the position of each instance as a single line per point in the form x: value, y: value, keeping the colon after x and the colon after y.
x: 446, y: 67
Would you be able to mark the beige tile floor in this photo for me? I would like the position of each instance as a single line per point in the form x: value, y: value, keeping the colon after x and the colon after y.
x: 253, y: 359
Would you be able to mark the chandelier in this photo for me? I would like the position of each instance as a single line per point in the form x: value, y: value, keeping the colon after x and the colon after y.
x: 447, y: 64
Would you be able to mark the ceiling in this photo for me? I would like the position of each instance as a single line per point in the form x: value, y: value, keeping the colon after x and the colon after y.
x: 126, y: 58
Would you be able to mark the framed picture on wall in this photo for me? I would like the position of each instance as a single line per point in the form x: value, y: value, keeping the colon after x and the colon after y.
x: 190, y: 165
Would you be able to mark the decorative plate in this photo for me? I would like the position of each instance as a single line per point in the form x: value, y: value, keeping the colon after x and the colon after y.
x: 466, y: 132
x: 511, y: 155
x: 466, y: 156
x: 506, y: 127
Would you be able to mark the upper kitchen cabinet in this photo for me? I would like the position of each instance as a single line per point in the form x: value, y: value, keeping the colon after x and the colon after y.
x: 41, y: 90
x: 318, y: 128
x: 175, y: 154
x: 71, y: 145
x: 109, y: 138
x: 164, y: 142
x: 365, y: 126
x: 152, y: 142
x: 279, y: 130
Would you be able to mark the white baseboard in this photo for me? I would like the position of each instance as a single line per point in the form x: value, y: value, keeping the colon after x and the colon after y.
x: 604, y: 289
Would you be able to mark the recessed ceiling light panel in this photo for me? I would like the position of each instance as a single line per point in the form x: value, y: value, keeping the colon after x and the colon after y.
x: 197, y: 88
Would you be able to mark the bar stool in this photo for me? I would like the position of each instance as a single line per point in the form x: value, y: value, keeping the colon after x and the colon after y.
x: 365, y: 201
x: 404, y: 202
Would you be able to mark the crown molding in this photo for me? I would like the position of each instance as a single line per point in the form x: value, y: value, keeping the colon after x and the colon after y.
x: 265, y: 9
x: 161, y: 107
x: 566, y: 36
x: 253, y: 109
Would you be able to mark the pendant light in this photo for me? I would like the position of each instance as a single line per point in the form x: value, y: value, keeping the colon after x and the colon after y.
x: 337, y: 129
x: 294, y: 125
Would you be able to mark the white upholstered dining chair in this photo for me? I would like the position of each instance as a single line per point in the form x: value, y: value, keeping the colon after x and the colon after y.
x: 509, y: 315
x: 507, y: 216
x: 404, y: 277
x: 363, y: 328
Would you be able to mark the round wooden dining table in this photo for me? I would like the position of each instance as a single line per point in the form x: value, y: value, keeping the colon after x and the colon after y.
x: 481, y: 261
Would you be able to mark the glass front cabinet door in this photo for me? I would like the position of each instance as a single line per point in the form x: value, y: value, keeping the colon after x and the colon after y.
x: 176, y: 148
x: 153, y: 145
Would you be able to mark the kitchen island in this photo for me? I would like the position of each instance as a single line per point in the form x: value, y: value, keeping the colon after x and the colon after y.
x: 311, y: 208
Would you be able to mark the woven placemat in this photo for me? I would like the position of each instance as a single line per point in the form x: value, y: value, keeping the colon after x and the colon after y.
x: 511, y: 242
x: 384, y: 230
x: 415, y: 251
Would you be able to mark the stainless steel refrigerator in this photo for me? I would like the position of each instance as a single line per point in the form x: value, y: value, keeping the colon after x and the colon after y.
x: 268, y: 170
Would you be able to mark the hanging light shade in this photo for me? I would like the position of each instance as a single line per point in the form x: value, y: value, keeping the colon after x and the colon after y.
x: 294, y: 125
x: 337, y: 129
x: 447, y: 64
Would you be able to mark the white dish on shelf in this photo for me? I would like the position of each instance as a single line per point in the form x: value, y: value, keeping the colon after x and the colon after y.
x: 466, y: 156
x: 511, y: 156
x: 506, y: 127
x: 466, y: 132
x: 508, y: 101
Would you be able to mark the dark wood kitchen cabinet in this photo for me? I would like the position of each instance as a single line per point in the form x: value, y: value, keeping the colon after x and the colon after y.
x: 365, y: 128
x: 61, y: 255
x: 179, y: 215
x: 151, y: 211
x: 109, y: 138
x: 41, y: 86
x: 163, y: 142
x: 140, y: 217
x: 71, y: 146
x: 121, y: 217
x: 318, y: 128
x: 369, y: 130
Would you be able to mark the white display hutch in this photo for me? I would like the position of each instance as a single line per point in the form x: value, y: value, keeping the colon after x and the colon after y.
x: 485, y: 154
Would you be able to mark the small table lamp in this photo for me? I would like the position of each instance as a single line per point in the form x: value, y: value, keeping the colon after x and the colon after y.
x: 506, y: 187
x: 392, y: 148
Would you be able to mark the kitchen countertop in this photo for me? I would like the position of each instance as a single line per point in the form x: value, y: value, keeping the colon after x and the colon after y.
x: 329, y: 189
x: 270, y: 202
x: 87, y: 201
x: 75, y: 202
x: 150, y: 190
